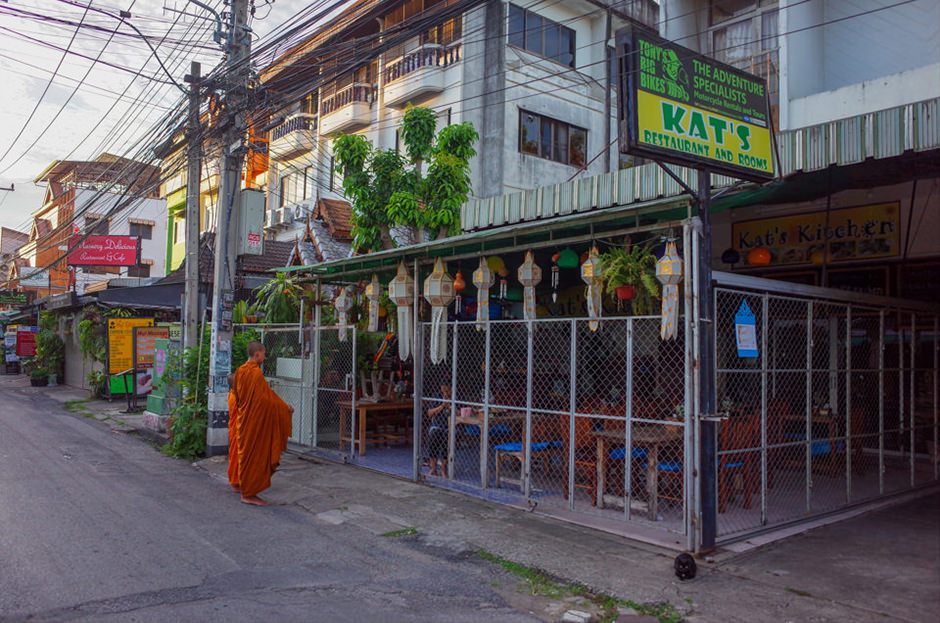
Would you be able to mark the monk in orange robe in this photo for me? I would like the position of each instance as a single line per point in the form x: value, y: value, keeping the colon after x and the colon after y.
x: 264, y: 424
x: 232, y: 435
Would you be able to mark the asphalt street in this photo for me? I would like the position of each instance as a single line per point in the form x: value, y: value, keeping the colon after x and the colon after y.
x: 96, y: 526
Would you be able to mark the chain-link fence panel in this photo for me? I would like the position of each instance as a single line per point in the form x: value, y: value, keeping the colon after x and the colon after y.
x: 924, y: 388
x: 333, y: 382
x: 286, y: 373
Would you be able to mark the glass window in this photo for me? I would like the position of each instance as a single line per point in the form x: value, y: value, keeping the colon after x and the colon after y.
x: 552, y: 139
x: 552, y: 39
x: 142, y: 231
x: 97, y: 226
x: 533, y: 32
x: 565, y: 47
x: 516, y: 26
x: 528, y: 133
x: 577, y: 147
x: 141, y: 270
x: 723, y: 10
x: 560, y: 143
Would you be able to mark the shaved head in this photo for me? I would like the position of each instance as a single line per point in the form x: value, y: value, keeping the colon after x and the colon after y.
x: 254, y: 347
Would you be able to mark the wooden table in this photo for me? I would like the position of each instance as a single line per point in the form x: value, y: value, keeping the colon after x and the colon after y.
x: 363, y: 409
x: 649, y: 436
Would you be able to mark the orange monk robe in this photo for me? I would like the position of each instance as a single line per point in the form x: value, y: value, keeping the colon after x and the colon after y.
x: 232, y: 440
x: 264, y: 424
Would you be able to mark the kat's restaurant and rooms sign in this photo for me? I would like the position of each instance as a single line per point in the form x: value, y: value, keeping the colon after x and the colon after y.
x: 679, y: 106
x: 861, y: 233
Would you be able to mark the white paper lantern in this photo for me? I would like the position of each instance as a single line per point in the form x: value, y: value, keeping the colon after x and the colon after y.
x: 374, y: 293
x: 530, y: 275
x: 401, y: 291
x: 343, y: 303
x: 669, y: 273
x: 592, y: 274
x: 439, y: 292
x: 483, y: 278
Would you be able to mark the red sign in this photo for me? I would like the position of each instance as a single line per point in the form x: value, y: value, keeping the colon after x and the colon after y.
x: 26, y: 341
x: 104, y: 251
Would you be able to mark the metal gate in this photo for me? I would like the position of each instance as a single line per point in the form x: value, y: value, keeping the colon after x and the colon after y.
x: 838, y: 406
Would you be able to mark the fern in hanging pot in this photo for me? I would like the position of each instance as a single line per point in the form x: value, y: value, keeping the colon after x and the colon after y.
x: 630, y: 275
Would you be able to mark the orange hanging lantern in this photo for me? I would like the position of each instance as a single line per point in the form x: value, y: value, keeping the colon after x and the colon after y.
x: 459, y: 285
x: 759, y: 257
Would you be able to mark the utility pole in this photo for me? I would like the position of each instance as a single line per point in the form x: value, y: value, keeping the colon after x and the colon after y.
x: 235, y: 83
x: 193, y: 183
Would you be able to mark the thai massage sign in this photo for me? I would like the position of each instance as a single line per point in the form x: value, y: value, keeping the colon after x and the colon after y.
x: 689, y: 109
x: 104, y: 251
x: 864, y: 232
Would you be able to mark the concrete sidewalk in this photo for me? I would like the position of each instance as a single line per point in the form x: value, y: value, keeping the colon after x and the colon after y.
x: 881, y: 565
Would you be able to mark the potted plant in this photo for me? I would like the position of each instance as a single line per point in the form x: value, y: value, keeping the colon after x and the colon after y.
x: 38, y: 373
x: 630, y: 274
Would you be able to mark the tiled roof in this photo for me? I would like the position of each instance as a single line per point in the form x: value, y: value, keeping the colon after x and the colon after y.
x: 328, y: 247
x: 276, y: 254
x: 337, y: 216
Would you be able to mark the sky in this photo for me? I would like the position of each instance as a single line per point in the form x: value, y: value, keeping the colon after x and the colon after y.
x: 45, y: 118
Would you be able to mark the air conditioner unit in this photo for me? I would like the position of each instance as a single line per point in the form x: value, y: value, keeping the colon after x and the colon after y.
x: 298, y: 212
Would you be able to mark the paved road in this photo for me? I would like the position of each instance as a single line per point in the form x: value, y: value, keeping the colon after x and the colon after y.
x: 95, y: 526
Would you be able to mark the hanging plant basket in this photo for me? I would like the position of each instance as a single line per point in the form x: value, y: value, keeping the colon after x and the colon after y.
x: 625, y: 293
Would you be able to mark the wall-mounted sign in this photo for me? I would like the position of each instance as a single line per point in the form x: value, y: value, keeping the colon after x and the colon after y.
x: 679, y: 106
x: 26, y: 341
x: 31, y: 277
x: 104, y: 251
x: 745, y: 331
x: 865, y: 232
x: 10, y: 297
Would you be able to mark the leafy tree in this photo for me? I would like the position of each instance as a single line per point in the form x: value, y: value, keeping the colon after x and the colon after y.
x: 279, y: 300
x: 388, y: 189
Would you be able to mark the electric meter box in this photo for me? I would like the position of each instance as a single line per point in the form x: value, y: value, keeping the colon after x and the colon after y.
x: 251, y: 222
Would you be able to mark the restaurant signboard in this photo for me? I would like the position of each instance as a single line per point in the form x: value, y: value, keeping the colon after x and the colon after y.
x: 11, y: 297
x: 679, y: 106
x: 145, y: 339
x: 104, y: 251
x: 860, y: 233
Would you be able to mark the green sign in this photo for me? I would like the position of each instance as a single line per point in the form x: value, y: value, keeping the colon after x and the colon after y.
x: 679, y: 106
x: 10, y: 297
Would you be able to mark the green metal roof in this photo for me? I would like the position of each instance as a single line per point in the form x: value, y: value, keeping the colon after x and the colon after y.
x: 570, y: 229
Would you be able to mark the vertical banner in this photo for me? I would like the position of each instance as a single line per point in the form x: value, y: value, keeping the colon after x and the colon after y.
x: 26, y: 341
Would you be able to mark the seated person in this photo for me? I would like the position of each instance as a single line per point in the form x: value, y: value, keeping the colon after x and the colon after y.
x: 436, y: 440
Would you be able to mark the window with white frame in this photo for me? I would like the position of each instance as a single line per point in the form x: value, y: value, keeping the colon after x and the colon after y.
x: 295, y: 187
x: 744, y: 34
x: 552, y: 139
x: 530, y: 31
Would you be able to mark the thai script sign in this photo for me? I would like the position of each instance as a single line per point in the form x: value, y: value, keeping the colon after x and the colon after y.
x: 864, y: 232
x: 26, y: 341
x: 679, y: 106
x: 104, y: 251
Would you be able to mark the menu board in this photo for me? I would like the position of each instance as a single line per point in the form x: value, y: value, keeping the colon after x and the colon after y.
x: 121, y: 342
x: 145, y: 339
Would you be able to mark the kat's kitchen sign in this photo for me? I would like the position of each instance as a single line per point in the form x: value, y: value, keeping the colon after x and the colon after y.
x: 679, y: 106
x: 104, y: 251
x: 865, y: 232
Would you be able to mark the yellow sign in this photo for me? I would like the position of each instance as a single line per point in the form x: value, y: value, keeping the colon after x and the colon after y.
x: 121, y: 342
x: 698, y: 133
x: 865, y: 232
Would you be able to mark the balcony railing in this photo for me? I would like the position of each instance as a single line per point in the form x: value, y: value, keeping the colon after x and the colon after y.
x: 356, y: 92
x: 293, y: 124
x: 430, y: 55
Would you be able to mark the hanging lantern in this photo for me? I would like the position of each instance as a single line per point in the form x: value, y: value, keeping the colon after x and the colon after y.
x: 591, y: 273
x: 343, y: 303
x: 459, y: 286
x: 568, y: 259
x: 495, y: 263
x: 669, y: 273
x: 503, y: 282
x: 483, y: 279
x: 759, y: 257
x: 730, y: 256
x: 402, y: 292
x: 530, y: 275
x: 374, y: 293
x: 555, y: 275
x: 439, y: 292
